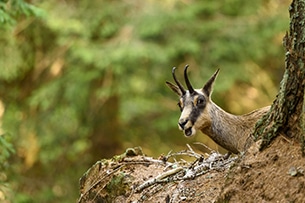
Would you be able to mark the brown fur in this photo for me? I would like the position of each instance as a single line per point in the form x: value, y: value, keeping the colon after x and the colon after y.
x: 229, y: 131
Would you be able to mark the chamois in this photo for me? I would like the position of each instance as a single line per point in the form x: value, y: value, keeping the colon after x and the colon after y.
x: 199, y: 112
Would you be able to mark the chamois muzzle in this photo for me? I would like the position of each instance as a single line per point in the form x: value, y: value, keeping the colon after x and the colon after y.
x: 184, y: 125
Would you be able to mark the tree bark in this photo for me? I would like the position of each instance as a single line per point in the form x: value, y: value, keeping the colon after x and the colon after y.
x: 286, y: 115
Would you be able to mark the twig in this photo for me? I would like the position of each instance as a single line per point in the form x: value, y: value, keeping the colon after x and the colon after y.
x: 158, y: 179
x: 197, y: 168
x: 205, y: 146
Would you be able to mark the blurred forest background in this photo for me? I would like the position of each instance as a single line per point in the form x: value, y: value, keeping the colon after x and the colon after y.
x: 84, y: 80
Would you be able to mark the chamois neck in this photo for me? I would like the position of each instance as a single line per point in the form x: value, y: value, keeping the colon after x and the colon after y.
x: 231, y: 131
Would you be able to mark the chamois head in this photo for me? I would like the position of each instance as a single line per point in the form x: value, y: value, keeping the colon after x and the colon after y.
x: 193, y: 103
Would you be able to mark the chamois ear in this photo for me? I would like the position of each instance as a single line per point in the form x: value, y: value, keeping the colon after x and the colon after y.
x: 175, y: 88
x: 208, y: 87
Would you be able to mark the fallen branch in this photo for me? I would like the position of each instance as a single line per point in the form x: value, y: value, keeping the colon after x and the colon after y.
x: 133, y: 177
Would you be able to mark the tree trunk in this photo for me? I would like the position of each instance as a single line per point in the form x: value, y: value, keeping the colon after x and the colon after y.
x: 286, y: 115
x: 105, y: 135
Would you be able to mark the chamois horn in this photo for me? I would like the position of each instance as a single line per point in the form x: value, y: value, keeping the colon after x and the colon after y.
x: 188, y: 84
x: 177, y: 82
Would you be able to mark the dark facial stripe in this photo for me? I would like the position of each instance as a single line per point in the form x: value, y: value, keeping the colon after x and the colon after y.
x: 197, y: 107
x: 194, y: 114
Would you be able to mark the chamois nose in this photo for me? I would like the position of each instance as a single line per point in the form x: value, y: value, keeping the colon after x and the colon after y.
x: 182, y: 123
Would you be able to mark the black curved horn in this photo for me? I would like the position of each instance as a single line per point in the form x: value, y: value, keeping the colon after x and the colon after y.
x: 188, y: 84
x: 177, y: 82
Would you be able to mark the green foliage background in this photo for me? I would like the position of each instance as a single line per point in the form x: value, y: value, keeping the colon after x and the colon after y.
x: 83, y: 80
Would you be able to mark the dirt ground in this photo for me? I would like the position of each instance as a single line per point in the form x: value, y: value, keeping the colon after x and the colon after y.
x: 276, y: 174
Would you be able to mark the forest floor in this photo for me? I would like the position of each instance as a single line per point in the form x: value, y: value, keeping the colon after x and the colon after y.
x: 276, y: 174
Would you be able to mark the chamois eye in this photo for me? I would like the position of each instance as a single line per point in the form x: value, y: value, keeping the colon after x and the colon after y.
x: 200, y: 101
